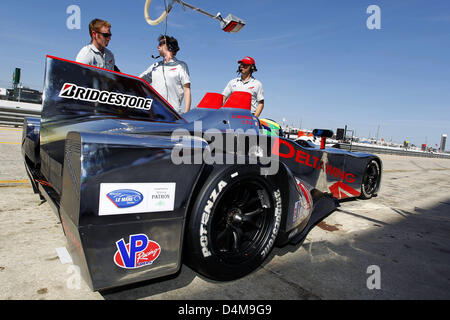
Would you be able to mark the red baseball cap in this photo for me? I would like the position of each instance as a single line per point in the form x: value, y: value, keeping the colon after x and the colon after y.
x: 247, y: 60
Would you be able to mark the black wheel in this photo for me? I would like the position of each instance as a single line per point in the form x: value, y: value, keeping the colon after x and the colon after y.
x: 234, y: 223
x: 370, y: 180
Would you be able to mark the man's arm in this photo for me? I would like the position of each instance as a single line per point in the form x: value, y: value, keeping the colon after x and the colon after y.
x: 226, y: 92
x: 260, y: 99
x: 260, y: 108
x: 187, y: 96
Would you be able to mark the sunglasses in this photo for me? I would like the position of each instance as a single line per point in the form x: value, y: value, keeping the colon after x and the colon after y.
x: 243, y: 65
x: 161, y: 43
x: 106, y: 35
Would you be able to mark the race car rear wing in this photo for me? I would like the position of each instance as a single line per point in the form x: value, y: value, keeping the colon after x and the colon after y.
x: 75, y: 94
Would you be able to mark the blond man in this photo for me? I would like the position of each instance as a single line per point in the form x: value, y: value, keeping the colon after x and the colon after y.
x: 95, y: 53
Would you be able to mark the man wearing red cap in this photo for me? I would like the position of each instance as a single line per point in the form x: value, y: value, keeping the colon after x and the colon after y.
x: 246, y: 82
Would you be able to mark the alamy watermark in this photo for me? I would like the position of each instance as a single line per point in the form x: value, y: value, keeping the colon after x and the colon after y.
x: 214, y: 146
x: 374, y: 280
x: 74, y: 19
x: 373, y: 22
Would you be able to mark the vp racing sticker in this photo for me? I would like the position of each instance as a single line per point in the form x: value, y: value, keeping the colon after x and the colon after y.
x: 139, y: 252
x: 72, y: 91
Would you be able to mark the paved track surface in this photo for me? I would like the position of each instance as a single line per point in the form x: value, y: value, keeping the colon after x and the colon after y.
x: 404, y: 233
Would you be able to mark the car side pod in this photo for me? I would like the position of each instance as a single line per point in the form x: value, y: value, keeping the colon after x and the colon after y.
x: 323, y: 207
x: 211, y: 100
x: 123, y: 206
x: 239, y: 100
x: 30, y: 150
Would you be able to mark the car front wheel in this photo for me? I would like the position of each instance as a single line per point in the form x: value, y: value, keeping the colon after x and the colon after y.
x: 370, y: 181
x: 234, y: 223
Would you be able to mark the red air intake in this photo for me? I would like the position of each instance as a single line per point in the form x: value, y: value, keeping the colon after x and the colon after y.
x: 240, y: 100
x: 322, y: 142
x: 211, y: 100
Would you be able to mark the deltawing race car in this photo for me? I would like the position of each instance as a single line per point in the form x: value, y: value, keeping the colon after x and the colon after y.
x: 139, y: 189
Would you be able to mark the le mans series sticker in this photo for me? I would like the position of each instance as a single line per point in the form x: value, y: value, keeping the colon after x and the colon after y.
x: 125, y: 198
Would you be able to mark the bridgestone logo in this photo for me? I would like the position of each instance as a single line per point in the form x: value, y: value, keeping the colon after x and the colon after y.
x: 72, y: 91
x: 276, y: 226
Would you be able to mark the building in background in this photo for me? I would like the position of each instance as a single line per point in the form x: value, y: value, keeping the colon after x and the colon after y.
x: 3, y: 93
x: 443, y: 140
x: 19, y: 92
x: 24, y: 95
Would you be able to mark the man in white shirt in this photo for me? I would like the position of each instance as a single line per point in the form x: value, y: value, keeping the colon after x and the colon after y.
x: 95, y: 53
x: 170, y: 77
x: 246, y: 82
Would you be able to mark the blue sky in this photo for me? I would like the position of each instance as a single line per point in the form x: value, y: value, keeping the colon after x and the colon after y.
x: 319, y: 63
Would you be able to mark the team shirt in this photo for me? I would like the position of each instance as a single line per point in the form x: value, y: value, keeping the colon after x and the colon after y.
x: 253, y: 86
x: 90, y: 55
x: 168, y: 80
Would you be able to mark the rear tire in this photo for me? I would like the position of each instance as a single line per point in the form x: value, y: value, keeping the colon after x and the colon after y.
x: 371, y: 180
x: 234, y: 223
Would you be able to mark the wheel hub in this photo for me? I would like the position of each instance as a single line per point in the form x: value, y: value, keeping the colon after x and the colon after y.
x: 242, y: 221
x: 234, y: 216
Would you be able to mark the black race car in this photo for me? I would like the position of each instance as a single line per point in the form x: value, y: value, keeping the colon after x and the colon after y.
x: 139, y: 189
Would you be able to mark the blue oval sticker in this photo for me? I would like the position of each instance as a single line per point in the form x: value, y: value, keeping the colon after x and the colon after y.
x: 125, y: 198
